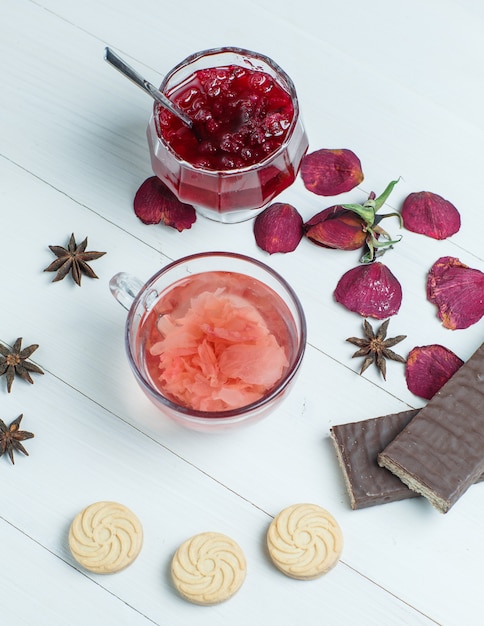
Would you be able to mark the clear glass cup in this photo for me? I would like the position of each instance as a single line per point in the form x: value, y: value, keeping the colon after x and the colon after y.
x: 228, y: 195
x: 140, y: 299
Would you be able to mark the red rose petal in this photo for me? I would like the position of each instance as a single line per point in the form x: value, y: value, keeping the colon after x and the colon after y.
x: 429, y: 368
x: 279, y: 228
x: 336, y: 227
x: 457, y: 291
x: 331, y: 172
x: 155, y: 203
x: 370, y: 290
x: 429, y: 214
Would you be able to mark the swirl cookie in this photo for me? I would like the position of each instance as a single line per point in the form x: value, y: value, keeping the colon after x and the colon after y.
x: 105, y: 537
x: 304, y: 541
x: 208, y: 568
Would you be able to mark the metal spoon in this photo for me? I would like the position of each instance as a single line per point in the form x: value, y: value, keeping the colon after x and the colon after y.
x: 116, y: 61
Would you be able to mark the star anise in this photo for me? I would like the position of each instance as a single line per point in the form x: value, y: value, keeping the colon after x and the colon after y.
x: 73, y: 259
x: 11, y: 436
x: 14, y: 361
x: 376, y: 348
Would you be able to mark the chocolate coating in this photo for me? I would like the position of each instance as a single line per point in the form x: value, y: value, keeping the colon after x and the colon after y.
x: 357, y: 446
x: 441, y: 451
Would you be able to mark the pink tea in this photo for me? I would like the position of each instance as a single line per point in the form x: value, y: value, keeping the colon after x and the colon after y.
x: 217, y: 341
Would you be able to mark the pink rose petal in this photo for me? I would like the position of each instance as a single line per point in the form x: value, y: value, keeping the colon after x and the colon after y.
x: 336, y: 227
x: 370, y: 290
x: 429, y: 214
x: 279, y: 228
x: 331, y: 172
x: 457, y: 291
x: 155, y: 203
x: 219, y: 355
x: 429, y: 368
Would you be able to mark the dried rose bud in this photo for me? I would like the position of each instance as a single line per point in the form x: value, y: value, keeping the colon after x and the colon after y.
x: 336, y: 227
x: 331, y: 172
x: 429, y: 214
x: 279, y: 228
x: 429, y: 368
x: 352, y: 226
x: 368, y: 212
x: 457, y: 291
x: 370, y: 290
x: 155, y: 203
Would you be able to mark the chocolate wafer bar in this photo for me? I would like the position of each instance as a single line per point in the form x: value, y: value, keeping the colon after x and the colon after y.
x: 357, y: 446
x: 440, y: 453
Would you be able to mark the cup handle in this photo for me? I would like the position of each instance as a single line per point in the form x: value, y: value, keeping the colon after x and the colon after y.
x: 125, y: 287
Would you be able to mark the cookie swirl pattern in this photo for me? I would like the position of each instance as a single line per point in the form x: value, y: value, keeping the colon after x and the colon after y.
x: 105, y: 537
x: 304, y: 541
x: 208, y: 568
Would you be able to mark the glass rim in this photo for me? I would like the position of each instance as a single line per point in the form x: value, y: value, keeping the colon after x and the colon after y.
x: 229, y: 415
x: 192, y: 58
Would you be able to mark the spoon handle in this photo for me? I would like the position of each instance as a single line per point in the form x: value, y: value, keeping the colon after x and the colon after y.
x: 117, y: 62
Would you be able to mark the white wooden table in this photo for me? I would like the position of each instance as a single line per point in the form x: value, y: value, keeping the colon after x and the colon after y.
x: 400, y: 83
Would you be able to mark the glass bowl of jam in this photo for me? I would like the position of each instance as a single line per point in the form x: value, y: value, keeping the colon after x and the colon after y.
x: 247, y: 139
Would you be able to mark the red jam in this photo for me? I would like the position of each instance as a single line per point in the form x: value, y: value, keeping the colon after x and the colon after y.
x: 240, y: 116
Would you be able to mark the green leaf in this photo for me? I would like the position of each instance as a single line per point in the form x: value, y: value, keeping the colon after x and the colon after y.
x: 369, y: 256
x: 378, y: 218
x: 387, y: 242
x: 366, y: 213
x: 380, y: 201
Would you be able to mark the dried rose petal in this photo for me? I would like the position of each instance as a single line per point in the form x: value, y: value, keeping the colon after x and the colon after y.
x: 279, y: 228
x: 370, y: 290
x: 331, y: 172
x: 155, y: 203
x: 336, y: 227
x: 429, y: 368
x: 457, y: 291
x: 429, y: 214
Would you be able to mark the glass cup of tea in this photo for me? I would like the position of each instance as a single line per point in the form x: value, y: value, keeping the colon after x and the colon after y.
x: 247, y: 140
x: 214, y: 339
